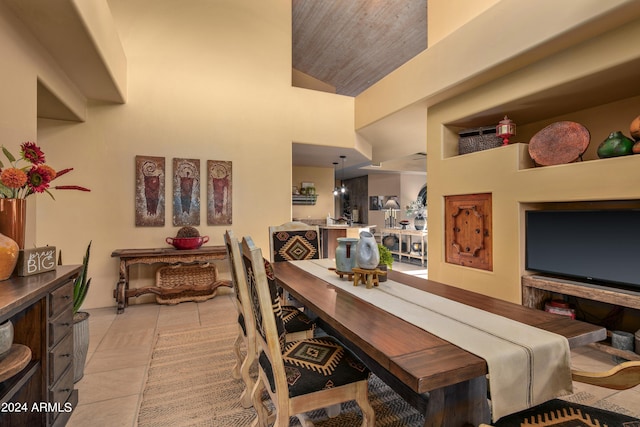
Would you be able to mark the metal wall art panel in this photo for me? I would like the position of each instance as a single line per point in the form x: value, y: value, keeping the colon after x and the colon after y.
x: 150, y: 187
x: 219, y: 192
x: 186, y: 192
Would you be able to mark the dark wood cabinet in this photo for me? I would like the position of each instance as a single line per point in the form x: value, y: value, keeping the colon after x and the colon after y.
x: 40, y: 307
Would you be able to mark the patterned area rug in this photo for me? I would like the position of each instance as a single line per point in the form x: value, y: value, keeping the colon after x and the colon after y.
x: 190, y: 384
x: 561, y: 413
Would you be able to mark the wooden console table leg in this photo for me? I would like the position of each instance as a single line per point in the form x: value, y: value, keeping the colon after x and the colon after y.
x: 119, y: 295
x: 120, y: 292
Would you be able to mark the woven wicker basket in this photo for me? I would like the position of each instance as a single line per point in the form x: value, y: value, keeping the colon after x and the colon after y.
x: 200, y: 279
x: 478, y: 139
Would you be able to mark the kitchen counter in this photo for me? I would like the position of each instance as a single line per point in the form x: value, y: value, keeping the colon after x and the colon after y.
x: 359, y: 226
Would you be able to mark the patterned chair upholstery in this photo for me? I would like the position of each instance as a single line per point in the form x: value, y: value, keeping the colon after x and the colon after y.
x: 294, y: 241
x: 559, y: 412
x: 297, y: 324
x: 299, y: 376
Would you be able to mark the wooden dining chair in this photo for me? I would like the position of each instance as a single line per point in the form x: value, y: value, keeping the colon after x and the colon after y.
x: 294, y: 241
x: 303, y: 375
x: 297, y: 324
x: 621, y: 377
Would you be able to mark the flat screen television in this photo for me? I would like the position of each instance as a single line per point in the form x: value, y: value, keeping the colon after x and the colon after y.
x: 597, y: 246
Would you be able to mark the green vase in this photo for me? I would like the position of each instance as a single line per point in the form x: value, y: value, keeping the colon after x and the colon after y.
x: 615, y: 145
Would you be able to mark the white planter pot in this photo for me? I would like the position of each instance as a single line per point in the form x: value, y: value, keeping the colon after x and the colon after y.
x: 80, y: 344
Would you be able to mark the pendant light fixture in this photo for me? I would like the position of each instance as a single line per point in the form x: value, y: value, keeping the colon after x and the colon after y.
x: 342, y: 189
x: 336, y: 190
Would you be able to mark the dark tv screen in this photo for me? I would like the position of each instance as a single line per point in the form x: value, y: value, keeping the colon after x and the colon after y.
x: 600, y: 246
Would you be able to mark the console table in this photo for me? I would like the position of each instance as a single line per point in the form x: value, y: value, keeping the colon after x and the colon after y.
x: 129, y: 257
x: 406, y: 236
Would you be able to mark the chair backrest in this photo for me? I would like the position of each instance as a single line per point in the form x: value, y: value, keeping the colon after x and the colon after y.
x: 265, y: 305
x: 243, y: 302
x: 620, y: 377
x: 233, y: 254
x: 293, y: 241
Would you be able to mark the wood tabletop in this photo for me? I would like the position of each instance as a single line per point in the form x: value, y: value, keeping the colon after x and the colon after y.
x: 419, y: 359
x: 19, y: 292
x: 218, y: 250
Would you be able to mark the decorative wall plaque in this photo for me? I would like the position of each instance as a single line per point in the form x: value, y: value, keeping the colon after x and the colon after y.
x: 468, y: 232
x: 219, y: 192
x: 149, y: 203
x: 186, y: 192
x: 36, y: 260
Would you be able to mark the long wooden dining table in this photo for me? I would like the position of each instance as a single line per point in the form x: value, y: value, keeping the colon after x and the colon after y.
x: 444, y: 382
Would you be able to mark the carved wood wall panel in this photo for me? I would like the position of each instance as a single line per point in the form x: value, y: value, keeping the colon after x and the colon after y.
x: 468, y: 230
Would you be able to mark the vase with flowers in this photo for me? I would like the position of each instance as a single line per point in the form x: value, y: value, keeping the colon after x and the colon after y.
x: 417, y: 209
x: 17, y: 182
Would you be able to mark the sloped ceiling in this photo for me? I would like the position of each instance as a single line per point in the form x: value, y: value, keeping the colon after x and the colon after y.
x: 353, y: 44
x: 350, y: 45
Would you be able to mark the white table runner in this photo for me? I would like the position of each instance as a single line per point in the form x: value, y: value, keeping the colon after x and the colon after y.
x: 527, y: 365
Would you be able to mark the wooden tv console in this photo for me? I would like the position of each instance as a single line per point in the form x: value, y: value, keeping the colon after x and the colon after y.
x: 536, y: 289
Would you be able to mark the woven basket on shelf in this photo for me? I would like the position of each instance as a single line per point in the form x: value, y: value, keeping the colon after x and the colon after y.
x: 478, y: 139
x: 193, y: 282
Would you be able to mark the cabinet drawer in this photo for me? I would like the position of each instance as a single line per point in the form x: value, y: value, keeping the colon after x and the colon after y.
x: 60, y: 299
x: 59, y: 395
x: 60, y: 326
x: 60, y: 358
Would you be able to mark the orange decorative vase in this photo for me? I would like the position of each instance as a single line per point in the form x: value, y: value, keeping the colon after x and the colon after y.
x: 8, y: 256
x: 13, y: 218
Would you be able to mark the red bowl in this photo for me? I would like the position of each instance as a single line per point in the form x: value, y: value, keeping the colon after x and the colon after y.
x: 187, y: 242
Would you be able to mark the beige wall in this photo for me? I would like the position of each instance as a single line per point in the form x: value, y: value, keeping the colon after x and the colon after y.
x: 508, y: 173
x: 382, y: 185
x: 508, y: 36
x: 24, y: 63
x: 546, y: 69
x: 405, y: 186
x: 323, y: 178
x: 411, y: 184
x: 446, y: 16
x: 217, y: 86
x: 300, y: 79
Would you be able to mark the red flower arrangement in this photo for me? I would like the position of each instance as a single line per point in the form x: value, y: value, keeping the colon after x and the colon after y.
x: 20, y: 182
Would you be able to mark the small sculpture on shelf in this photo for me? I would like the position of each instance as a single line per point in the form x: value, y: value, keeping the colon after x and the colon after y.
x: 615, y: 145
x: 634, y: 130
x: 506, y: 129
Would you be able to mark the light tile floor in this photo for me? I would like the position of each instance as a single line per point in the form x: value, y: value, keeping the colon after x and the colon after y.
x: 121, y: 345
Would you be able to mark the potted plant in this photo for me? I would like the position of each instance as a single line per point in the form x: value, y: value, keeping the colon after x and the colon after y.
x: 386, y: 260
x: 80, y: 319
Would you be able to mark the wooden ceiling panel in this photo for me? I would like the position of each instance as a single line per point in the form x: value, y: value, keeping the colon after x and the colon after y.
x: 352, y: 44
